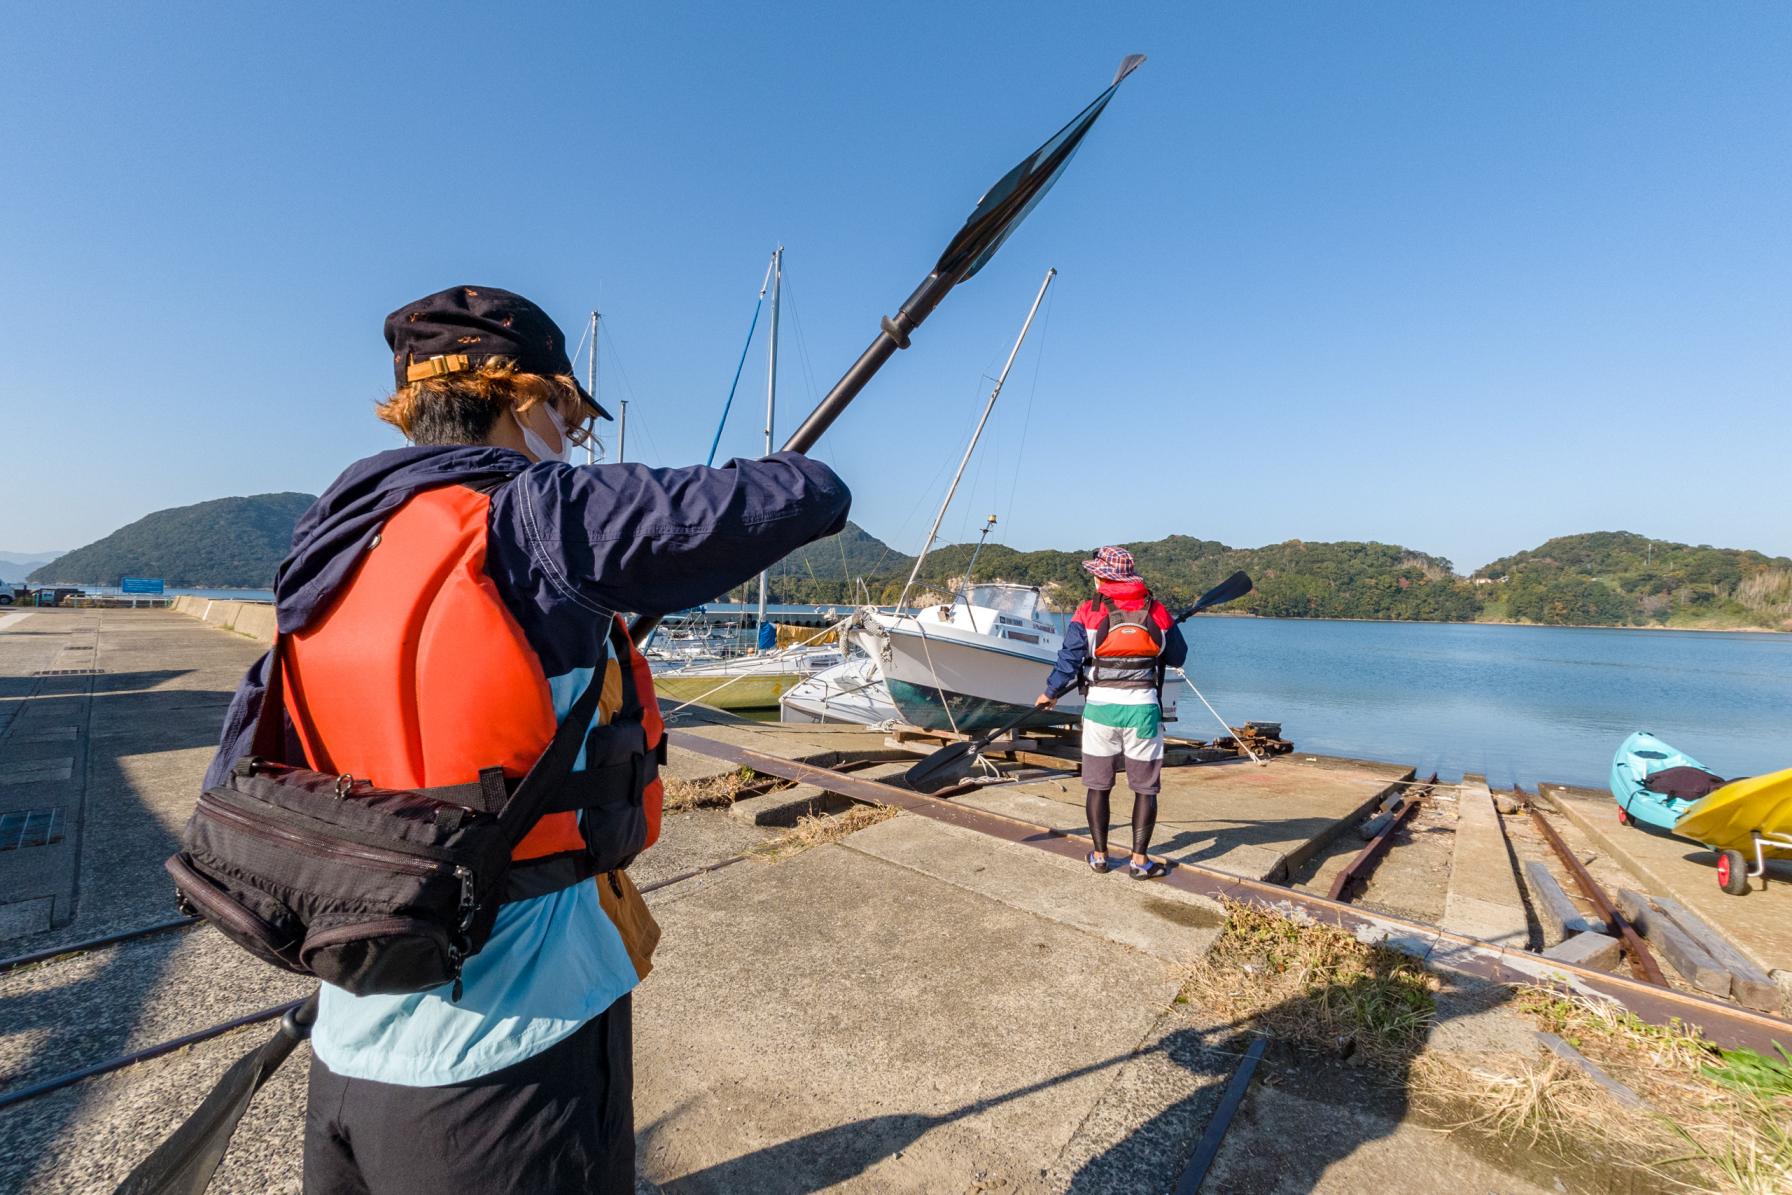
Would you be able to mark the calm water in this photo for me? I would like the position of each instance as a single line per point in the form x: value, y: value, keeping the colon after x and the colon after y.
x: 1516, y: 703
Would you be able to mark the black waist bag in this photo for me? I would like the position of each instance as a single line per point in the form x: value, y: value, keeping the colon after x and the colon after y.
x: 375, y: 890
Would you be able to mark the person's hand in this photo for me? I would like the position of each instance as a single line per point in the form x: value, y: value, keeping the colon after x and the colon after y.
x: 1044, y: 701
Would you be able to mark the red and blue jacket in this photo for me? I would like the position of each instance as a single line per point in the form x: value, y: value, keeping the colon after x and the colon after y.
x: 1126, y: 595
x: 444, y: 608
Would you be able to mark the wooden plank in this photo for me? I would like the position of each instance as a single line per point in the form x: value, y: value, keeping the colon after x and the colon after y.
x: 1560, y: 916
x: 1749, y: 985
x: 1688, y: 957
x: 1588, y: 1067
x: 1594, y: 950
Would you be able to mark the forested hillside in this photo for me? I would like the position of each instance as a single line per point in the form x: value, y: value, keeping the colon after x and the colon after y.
x: 1294, y: 579
x: 1606, y: 578
x: 227, y: 543
x: 1618, y: 577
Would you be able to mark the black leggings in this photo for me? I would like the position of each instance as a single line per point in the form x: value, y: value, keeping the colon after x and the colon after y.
x: 1144, y: 819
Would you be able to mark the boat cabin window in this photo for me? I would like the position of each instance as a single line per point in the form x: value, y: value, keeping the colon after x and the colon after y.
x: 1018, y: 601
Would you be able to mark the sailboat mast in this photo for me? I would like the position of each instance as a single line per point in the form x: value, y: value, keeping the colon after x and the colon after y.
x: 989, y: 406
x: 771, y: 382
x: 591, y: 386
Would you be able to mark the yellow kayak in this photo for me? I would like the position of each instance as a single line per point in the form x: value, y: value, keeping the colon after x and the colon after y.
x: 1744, y: 820
x: 1729, y: 817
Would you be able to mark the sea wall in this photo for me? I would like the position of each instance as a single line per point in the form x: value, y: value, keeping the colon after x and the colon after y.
x: 252, y: 619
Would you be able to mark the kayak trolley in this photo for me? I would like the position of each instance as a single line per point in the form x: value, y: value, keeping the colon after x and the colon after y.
x: 1733, y: 870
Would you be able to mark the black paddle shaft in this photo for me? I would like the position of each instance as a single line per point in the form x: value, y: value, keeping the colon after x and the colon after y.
x: 998, y: 212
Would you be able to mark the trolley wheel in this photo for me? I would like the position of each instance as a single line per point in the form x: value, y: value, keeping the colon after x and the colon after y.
x: 1623, y: 817
x: 1732, y: 872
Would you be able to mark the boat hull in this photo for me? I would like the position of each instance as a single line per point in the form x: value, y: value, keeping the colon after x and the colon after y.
x: 947, y: 679
x: 852, y: 694
x: 750, y: 692
x: 932, y: 708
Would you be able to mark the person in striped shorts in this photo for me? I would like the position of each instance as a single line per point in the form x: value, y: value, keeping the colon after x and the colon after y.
x: 1126, y: 640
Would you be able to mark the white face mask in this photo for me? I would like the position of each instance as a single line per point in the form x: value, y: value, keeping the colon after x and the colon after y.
x: 538, y: 447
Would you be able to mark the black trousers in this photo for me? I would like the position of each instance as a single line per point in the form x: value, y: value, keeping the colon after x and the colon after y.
x: 562, y: 1121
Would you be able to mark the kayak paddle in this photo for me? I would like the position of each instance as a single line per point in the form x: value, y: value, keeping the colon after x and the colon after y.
x: 998, y: 213
x: 955, y: 760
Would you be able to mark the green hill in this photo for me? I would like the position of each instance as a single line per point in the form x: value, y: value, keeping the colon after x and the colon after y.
x: 1602, y: 579
x: 1294, y: 579
x: 227, y: 543
x: 1619, y: 577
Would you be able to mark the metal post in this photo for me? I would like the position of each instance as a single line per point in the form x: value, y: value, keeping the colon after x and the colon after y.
x: 771, y: 385
x: 989, y: 406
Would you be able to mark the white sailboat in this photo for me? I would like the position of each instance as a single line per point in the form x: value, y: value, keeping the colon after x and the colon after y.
x: 978, y: 660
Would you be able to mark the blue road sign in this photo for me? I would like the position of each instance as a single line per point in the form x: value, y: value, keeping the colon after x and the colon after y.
x: 140, y: 585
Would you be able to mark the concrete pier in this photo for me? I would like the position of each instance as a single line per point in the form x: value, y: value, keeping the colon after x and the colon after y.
x: 914, y: 1007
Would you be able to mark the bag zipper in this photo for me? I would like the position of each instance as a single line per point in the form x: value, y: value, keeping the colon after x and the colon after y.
x: 365, y: 856
x: 468, y: 907
x: 217, y: 905
x: 267, y: 811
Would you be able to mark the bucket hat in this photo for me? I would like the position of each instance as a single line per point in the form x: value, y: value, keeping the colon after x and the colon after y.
x: 1112, y: 564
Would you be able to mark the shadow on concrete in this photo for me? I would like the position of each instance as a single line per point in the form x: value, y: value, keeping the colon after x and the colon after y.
x: 815, y: 1161
x: 50, y: 687
x: 1324, y: 1108
x: 76, y: 1022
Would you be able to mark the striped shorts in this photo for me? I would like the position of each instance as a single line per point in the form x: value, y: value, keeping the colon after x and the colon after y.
x: 1104, y: 747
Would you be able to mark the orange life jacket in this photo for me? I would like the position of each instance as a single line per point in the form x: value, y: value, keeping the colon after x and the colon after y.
x: 419, y: 677
x: 1125, y: 646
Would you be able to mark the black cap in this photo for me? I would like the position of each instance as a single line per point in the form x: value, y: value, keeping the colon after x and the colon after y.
x: 463, y: 327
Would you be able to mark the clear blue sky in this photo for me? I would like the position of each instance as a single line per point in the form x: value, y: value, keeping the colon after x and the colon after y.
x: 1455, y: 276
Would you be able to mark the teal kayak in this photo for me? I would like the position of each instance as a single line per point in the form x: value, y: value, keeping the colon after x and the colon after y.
x: 1641, y: 756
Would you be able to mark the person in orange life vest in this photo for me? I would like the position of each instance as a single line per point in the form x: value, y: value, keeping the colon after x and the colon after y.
x: 1126, y: 639
x: 444, y: 606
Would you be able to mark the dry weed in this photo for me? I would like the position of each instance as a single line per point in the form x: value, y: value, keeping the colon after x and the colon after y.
x: 813, y: 831
x: 711, y: 792
x: 1315, y: 985
x: 1715, y: 1121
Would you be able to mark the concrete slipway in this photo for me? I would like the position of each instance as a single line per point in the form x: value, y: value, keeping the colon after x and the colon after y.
x: 914, y: 1007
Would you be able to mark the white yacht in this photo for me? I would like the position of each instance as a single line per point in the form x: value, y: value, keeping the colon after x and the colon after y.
x: 972, y: 664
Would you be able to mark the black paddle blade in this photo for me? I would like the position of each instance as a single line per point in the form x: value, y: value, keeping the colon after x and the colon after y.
x: 955, y: 761
x: 1006, y: 204
x: 185, y: 1162
x: 949, y: 764
x: 1235, y: 586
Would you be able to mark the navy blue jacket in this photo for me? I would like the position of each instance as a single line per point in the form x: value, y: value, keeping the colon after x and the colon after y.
x: 567, y: 545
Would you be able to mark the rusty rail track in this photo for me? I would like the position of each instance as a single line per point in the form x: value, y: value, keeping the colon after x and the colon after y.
x: 1358, y: 868
x: 1642, y: 961
x: 31, y: 1091
x: 1723, y: 1024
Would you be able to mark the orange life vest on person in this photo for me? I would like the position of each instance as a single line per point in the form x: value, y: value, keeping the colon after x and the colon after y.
x: 419, y: 677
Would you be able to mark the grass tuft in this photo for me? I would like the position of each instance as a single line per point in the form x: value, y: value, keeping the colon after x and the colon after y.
x: 1314, y: 985
x: 711, y: 792
x: 813, y: 831
x: 1716, y: 1121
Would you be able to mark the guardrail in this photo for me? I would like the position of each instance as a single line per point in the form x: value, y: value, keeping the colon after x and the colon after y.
x: 252, y: 619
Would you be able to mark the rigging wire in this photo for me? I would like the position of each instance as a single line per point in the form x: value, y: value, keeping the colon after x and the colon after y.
x: 615, y: 359
x: 802, y: 352
x: 741, y: 364
x: 1032, y: 392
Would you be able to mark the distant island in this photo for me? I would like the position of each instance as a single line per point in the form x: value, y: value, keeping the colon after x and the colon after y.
x: 1603, y: 578
x: 227, y: 543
